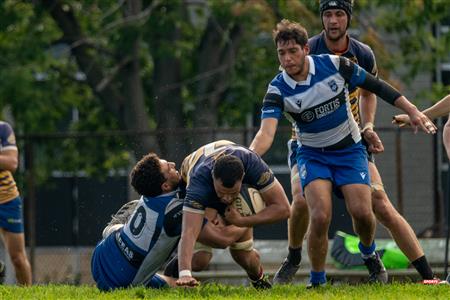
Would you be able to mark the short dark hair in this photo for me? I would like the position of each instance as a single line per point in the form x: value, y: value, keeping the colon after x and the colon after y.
x: 229, y: 169
x: 147, y: 177
x: 287, y: 30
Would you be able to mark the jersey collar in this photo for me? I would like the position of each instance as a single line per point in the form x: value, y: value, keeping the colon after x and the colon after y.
x: 292, y: 83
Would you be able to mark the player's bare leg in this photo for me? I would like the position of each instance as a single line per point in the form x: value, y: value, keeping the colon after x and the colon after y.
x: 318, y: 197
x: 297, y: 227
x: 398, y: 227
x: 15, y: 243
x: 248, y: 258
x: 359, y: 205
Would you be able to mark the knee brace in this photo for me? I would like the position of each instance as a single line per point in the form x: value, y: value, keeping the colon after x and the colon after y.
x: 243, y: 246
x: 375, y: 186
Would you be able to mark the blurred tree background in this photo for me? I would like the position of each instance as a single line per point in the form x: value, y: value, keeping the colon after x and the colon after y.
x: 137, y: 65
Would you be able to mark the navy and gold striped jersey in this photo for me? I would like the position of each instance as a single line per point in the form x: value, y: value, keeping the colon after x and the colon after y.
x: 196, y: 171
x: 8, y: 188
x: 357, y: 52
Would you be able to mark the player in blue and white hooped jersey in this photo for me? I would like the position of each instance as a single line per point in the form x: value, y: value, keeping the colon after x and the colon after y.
x: 334, y: 39
x: 313, y: 92
x: 131, y: 253
x: 144, y: 233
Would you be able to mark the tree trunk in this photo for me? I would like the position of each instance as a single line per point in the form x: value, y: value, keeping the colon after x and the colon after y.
x: 130, y: 109
x: 216, y: 56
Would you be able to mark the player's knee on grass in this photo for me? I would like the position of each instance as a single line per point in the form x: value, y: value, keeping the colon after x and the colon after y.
x: 200, y: 260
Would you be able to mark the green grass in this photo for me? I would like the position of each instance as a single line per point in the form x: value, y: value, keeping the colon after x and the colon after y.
x: 213, y: 291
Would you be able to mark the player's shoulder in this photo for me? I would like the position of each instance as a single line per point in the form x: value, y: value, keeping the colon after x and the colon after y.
x: 315, y: 43
x: 277, y: 80
x: 4, y: 126
x: 359, y: 48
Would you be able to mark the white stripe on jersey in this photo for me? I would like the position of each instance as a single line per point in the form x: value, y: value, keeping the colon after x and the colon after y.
x: 313, y: 96
x: 148, y: 231
x: 332, y: 136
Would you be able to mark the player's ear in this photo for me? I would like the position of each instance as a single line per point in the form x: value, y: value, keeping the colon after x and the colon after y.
x: 165, y: 187
x: 306, y: 48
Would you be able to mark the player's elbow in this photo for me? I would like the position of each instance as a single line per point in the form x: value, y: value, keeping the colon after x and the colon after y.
x: 12, y: 165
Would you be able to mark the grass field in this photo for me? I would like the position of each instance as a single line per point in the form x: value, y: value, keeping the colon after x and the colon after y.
x: 213, y: 291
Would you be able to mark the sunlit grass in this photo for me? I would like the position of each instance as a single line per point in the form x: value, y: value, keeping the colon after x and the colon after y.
x: 214, y: 291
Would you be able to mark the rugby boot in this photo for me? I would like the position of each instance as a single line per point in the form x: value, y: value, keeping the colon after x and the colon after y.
x: 262, y: 284
x: 120, y: 218
x: 285, y: 273
x: 377, y: 271
x: 124, y: 213
x: 2, y: 272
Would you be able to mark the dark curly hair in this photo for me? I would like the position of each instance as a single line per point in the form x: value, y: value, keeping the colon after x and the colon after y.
x: 146, y: 176
x: 287, y: 30
x: 229, y: 169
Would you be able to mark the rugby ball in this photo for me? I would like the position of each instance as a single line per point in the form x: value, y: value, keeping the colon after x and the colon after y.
x: 249, y: 201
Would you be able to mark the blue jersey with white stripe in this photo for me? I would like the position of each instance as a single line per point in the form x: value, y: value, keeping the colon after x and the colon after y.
x: 318, y: 106
x: 133, y: 254
x: 357, y: 52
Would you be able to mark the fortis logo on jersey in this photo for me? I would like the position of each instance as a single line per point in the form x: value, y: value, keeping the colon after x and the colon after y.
x: 321, y: 111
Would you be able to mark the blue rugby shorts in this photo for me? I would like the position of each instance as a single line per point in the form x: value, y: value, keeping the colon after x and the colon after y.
x: 341, y: 167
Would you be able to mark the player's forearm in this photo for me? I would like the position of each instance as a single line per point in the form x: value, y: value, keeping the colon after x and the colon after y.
x: 404, y: 104
x: 439, y: 109
x: 191, y: 226
x: 368, y: 106
x: 222, y: 237
x: 271, y: 214
x: 261, y: 143
x: 277, y: 207
x: 185, y: 252
x: 8, y: 162
x: 446, y: 138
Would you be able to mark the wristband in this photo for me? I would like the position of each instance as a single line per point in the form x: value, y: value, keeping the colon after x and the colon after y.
x: 368, y: 125
x: 184, y: 273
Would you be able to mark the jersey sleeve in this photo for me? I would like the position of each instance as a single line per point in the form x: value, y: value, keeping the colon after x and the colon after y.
x: 372, y: 67
x: 197, y: 194
x: 358, y: 77
x: 353, y: 74
x: 7, y: 137
x: 272, y: 103
x: 257, y: 172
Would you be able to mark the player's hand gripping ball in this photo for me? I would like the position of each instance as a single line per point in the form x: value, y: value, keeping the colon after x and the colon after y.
x: 249, y: 201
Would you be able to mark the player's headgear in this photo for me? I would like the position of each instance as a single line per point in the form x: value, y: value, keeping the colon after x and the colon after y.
x: 346, y: 5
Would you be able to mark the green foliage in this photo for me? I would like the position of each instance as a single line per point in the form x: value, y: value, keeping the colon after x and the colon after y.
x: 414, y: 24
x: 42, y: 85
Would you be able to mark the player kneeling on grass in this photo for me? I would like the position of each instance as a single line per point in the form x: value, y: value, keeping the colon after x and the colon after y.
x: 144, y: 233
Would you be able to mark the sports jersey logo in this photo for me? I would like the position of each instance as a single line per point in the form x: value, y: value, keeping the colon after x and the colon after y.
x: 265, y: 177
x: 307, y: 116
x: 303, y: 172
x: 333, y: 85
x: 327, y: 108
x: 332, y: 3
x: 363, y: 175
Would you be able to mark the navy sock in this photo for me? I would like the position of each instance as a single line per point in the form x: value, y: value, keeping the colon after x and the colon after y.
x: 367, y: 251
x: 295, y: 255
x: 318, y: 277
x: 423, y: 267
